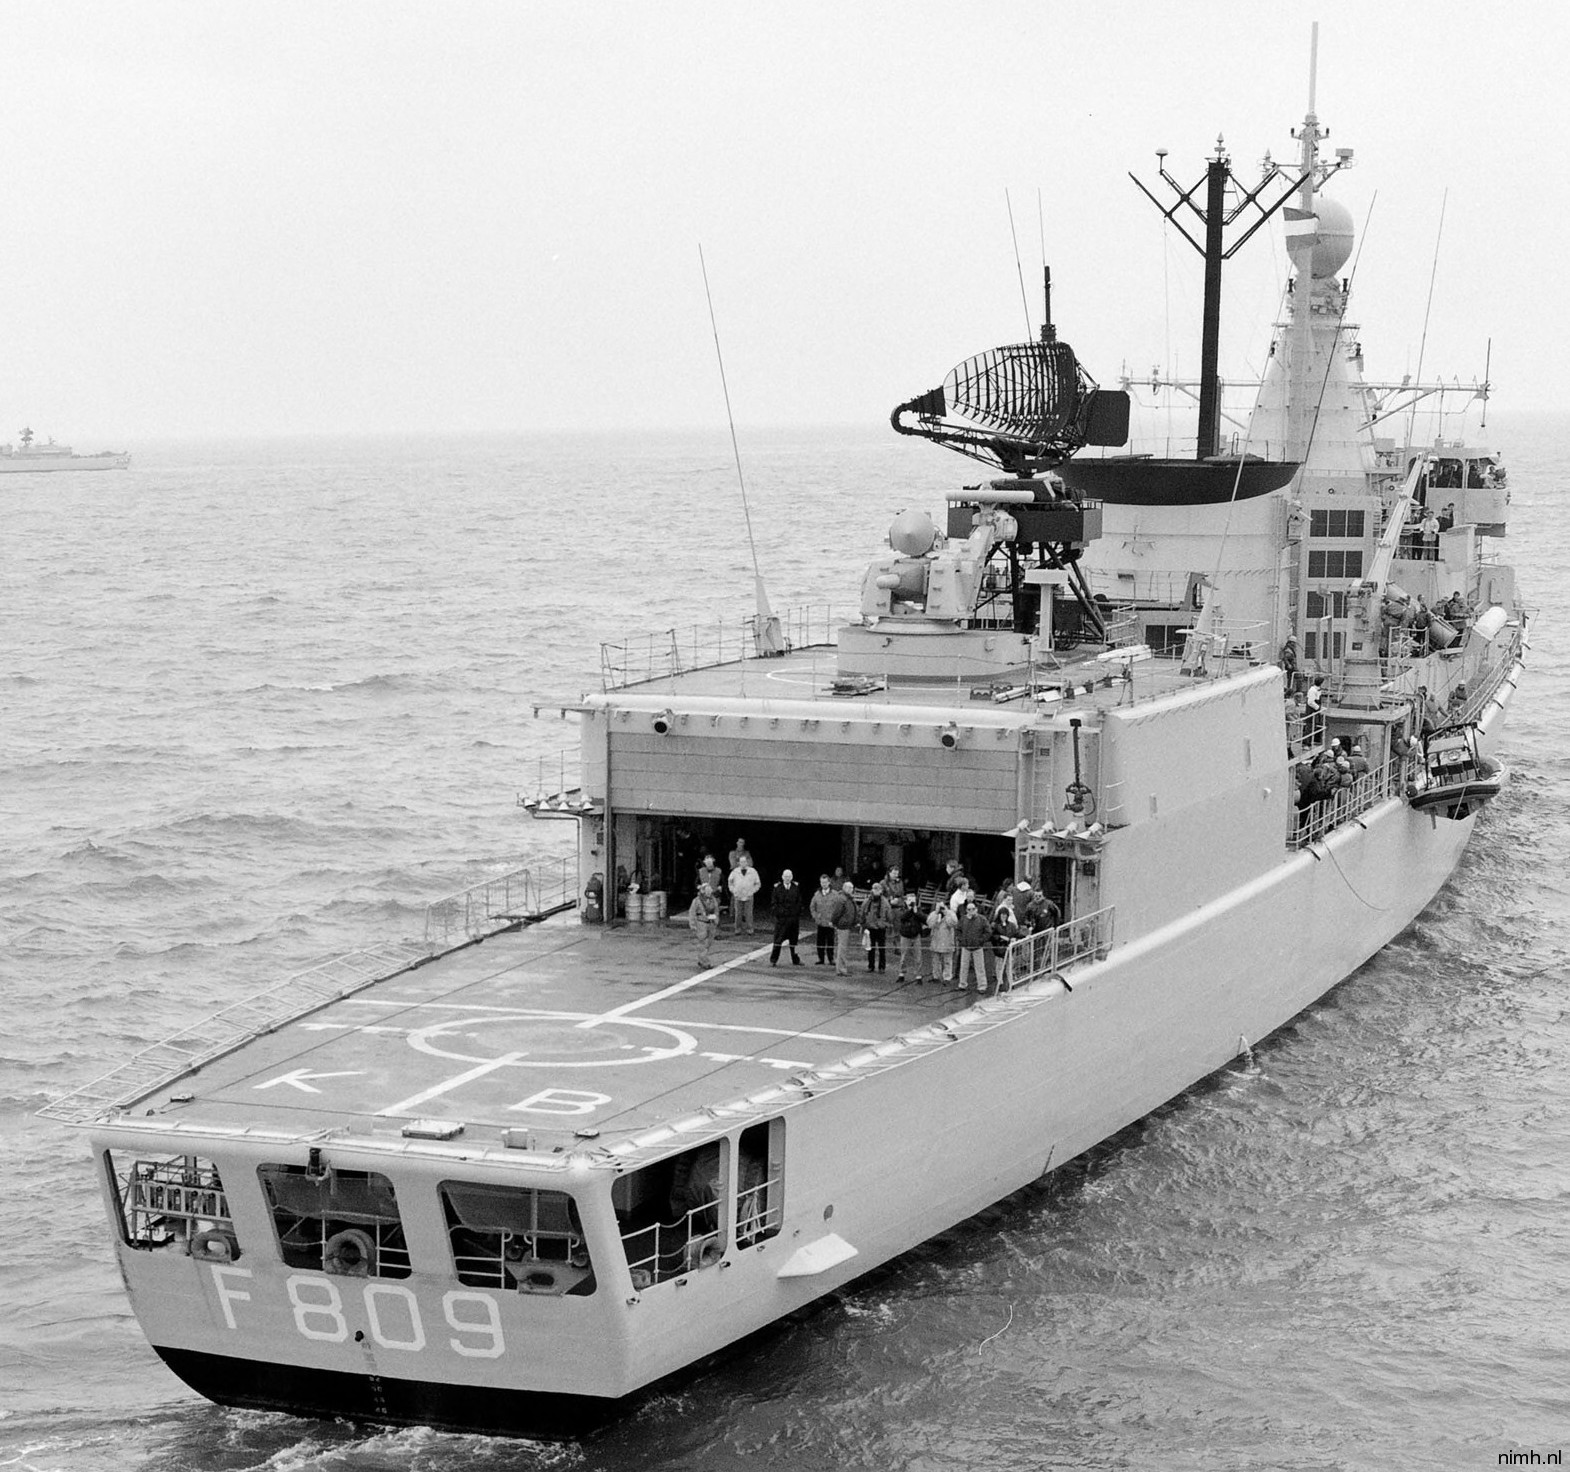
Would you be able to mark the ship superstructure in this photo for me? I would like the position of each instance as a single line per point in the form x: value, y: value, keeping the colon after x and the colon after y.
x: 506, y: 1177
x: 28, y: 455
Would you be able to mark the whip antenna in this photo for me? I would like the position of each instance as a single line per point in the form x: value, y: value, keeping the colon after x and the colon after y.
x: 1422, y: 347
x: 767, y: 637
x: 1014, y: 236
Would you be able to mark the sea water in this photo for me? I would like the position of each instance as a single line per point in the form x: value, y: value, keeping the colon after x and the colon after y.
x: 261, y: 702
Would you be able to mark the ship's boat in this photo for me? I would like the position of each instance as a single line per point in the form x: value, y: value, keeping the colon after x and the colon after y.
x: 1169, y: 785
x: 1453, y: 780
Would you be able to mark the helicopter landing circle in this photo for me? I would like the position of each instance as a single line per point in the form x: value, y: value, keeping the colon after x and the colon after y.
x: 526, y: 1039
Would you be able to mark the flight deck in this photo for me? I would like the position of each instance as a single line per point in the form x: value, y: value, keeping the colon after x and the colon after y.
x: 555, y: 1028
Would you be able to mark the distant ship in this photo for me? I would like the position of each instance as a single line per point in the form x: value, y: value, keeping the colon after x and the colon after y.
x: 15, y: 459
x: 506, y: 1177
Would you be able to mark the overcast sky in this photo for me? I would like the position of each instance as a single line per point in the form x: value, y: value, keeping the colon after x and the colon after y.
x: 309, y: 217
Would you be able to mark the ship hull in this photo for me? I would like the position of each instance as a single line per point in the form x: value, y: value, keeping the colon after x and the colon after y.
x: 1040, y: 1076
x: 487, y: 1410
x: 35, y: 464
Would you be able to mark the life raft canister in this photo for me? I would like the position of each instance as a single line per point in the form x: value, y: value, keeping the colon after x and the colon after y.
x: 349, y: 1253
x: 216, y: 1245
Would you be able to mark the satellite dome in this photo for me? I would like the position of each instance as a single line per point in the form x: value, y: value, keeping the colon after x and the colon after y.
x: 912, y: 533
x: 1334, y: 244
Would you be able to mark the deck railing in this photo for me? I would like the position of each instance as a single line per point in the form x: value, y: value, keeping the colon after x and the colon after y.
x: 665, y: 1250
x: 1085, y: 938
x: 228, y: 1028
x: 526, y: 894
x: 543, y: 889
x: 1310, y: 825
x: 1212, y: 651
x: 669, y: 652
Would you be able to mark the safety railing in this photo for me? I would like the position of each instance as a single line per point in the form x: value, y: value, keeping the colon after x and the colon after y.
x: 665, y: 1250
x: 1122, y: 625
x: 1213, y: 652
x: 760, y: 1209
x: 1310, y: 824
x: 558, y: 774
x: 541, y: 890
x: 1084, y: 938
x: 671, y: 652
x: 225, y: 1030
x: 558, y: 788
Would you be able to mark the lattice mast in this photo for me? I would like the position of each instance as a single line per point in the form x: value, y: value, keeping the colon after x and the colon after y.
x: 1217, y: 218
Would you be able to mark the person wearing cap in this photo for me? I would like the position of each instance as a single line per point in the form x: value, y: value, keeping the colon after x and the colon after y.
x: 703, y: 919
x: 846, y: 918
x: 876, y: 917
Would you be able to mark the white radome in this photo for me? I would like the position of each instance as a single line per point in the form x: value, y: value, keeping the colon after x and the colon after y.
x: 1333, y: 247
x: 912, y: 533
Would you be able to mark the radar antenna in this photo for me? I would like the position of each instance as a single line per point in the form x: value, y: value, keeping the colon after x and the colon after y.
x: 1025, y: 407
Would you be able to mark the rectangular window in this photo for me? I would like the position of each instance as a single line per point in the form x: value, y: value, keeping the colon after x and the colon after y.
x: 670, y: 1214
x: 760, y: 1182
x: 1326, y: 605
x: 339, y: 1221
x: 1331, y: 649
x: 1329, y: 562
x: 517, y: 1237
x: 175, y: 1204
x: 1343, y: 524
x: 1166, y: 638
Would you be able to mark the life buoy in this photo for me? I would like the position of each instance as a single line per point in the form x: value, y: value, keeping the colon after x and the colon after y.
x: 704, y: 1252
x: 349, y: 1253
x: 216, y: 1245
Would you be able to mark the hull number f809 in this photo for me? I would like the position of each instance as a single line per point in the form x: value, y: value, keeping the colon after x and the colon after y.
x: 391, y: 1312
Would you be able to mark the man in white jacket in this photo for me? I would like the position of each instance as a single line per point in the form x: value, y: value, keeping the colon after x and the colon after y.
x: 744, y: 885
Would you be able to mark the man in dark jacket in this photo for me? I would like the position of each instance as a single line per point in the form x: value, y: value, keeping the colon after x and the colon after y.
x: 975, y: 935
x: 910, y: 926
x: 786, y: 901
x: 846, y: 917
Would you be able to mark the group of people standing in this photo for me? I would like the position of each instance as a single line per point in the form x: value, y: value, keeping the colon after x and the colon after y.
x: 1329, y: 776
x: 959, y: 941
x: 742, y: 884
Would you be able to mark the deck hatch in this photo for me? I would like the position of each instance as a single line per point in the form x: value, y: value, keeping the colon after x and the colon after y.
x: 338, y: 1221
x: 516, y: 1237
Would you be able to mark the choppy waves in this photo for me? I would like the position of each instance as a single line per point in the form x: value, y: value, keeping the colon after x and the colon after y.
x: 293, y: 708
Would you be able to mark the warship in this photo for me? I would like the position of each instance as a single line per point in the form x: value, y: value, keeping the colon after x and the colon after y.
x: 1194, y: 737
x: 26, y: 455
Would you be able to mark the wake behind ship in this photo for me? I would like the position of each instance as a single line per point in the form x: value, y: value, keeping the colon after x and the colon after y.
x: 1169, y: 787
